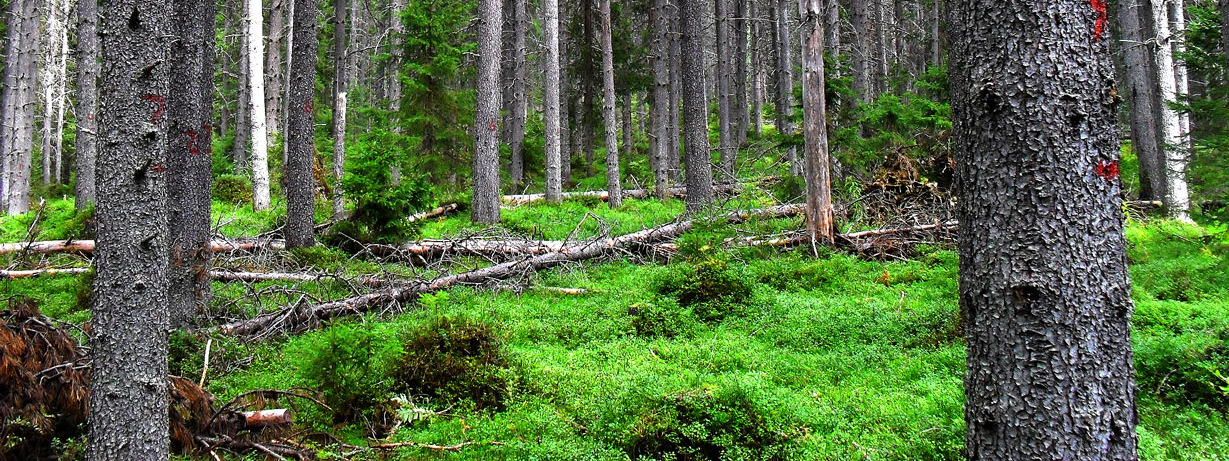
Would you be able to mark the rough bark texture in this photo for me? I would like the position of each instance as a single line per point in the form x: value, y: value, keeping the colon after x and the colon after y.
x: 274, y: 71
x: 673, y: 141
x: 567, y: 142
x: 1223, y: 8
x: 860, y: 51
x: 757, y: 75
x: 1139, y: 89
x: 128, y: 387
x: 661, y: 95
x: 785, y: 81
x: 53, y: 83
x: 814, y: 124
x: 243, y: 129
x: 739, y: 54
x: 86, y: 143
x: 300, y: 129
x: 17, y: 100
x: 725, y: 82
x: 608, y: 110
x: 256, y: 101
x: 552, y: 117
x: 519, y: 110
x: 486, y: 114
x: 341, y: 79
x: 695, y: 107
x: 189, y: 155
x: 1177, y: 197
x: 1043, y: 280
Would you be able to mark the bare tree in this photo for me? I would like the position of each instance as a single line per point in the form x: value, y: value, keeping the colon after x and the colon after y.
x: 300, y: 184
x: 1177, y: 197
x: 486, y: 114
x: 519, y: 110
x: 613, y: 186
x: 274, y: 72
x: 814, y: 124
x: 1140, y: 87
x: 552, y: 117
x: 87, y: 101
x: 256, y: 105
x: 725, y: 77
x: 1044, y: 292
x: 661, y: 95
x: 341, y: 78
x: 785, y: 81
x: 695, y: 107
x: 17, y: 105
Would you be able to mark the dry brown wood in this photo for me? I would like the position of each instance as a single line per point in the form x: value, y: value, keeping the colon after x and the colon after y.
x: 272, y: 417
x: 303, y: 316
x: 440, y: 211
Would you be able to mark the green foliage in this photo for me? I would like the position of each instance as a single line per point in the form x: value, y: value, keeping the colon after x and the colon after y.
x: 58, y: 221
x: 662, y: 318
x: 457, y: 360
x: 711, y: 287
x: 233, y: 189
x: 380, y: 207
x: 1208, y: 170
x: 711, y: 423
x: 349, y: 365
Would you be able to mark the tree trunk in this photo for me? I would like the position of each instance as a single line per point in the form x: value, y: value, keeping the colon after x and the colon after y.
x: 567, y: 142
x: 53, y: 74
x: 725, y: 77
x: 1044, y: 293
x: 552, y: 117
x: 189, y: 155
x: 486, y: 114
x: 300, y: 187
x: 814, y: 122
x: 879, y: 45
x: 608, y: 110
x: 1223, y: 7
x: 661, y: 95
x: 61, y: 100
x: 625, y: 118
x: 757, y: 76
x: 1177, y: 20
x: 243, y: 129
x: 785, y: 82
x: 1177, y: 199
x: 128, y: 387
x: 274, y: 72
x: 1140, y: 88
x: 17, y: 100
x: 256, y: 100
x: 741, y: 120
x: 695, y: 107
x: 520, y: 101
x: 675, y: 96
x: 859, y: 12
x: 86, y: 144
x: 341, y: 78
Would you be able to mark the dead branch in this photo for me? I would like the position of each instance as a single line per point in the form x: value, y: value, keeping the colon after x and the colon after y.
x: 449, y: 208
x: 87, y: 246
x: 524, y: 199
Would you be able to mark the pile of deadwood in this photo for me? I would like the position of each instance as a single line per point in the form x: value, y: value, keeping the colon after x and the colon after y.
x: 44, y: 395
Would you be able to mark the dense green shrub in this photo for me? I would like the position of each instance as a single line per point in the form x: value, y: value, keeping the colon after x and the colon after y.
x: 711, y: 288
x: 231, y: 188
x: 457, y: 360
x: 349, y: 365
x: 662, y: 318
x: 380, y: 206
x: 710, y: 423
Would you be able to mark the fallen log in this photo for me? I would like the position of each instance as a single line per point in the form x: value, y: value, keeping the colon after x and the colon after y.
x: 263, y: 418
x: 440, y: 211
x: 225, y: 276
x: 525, y: 199
x: 303, y: 316
x: 856, y: 240
x: 87, y: 246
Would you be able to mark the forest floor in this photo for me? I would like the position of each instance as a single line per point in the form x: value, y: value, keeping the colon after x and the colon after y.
x: 723, y: 351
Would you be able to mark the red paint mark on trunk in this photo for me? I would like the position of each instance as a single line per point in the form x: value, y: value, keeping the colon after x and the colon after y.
x: 307, y: 107
x: 192, y: 142
x: 493, y: 127
x: 1108, y: 170
x: 1101, y: 8
x: 157, y: 168
x: 159, y: 103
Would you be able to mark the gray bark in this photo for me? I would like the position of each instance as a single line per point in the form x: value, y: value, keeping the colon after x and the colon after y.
x: 128, y: 415
x: 785, y: 82
x: 814, y: 124
x: 341, y: 80
x: 661, y: 95
x: 757, y: 76
x: 625, y: 118
x: 567, y: 143
x: 1044, y: 291
x: 53, y: 83
x: 17, y: 100
x: 520, y: 101
x: 725, y: 83
x: 739, y: 105
x: 256, y: 105
x: 695, y: 107
x: 300, y: 184
x: 87, y: 101
x: 1139, y: 89
x: 860, y: 51
x: 243, y: 129
x: 675, y: 96
x: 608, y: 110
x: 274, y: 72
x: 1177, y: 199
x: 486, y: 114
x: 1223, y: 7
x: 552, y: 118
x: 189, y: 157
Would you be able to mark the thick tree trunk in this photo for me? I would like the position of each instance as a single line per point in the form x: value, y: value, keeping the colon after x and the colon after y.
x: 1140, y: 89
x: 725, y: 81
x: 17, y: 100
x: 485, y: 207
x: 256, y: 104
x: 552, y: 117
x: 608, y: 110
x: 86, y: 144
x: 1177, y: 197
x: 274, y: 72
x: 341, y: 79
x: 300, y: 187
x: 128, y: 387
x: 1044, y: 291
x: 189, y: 155
x: 661, y: 98
x: 785, y: 82
x: 519, y: 111
x: 814, y: 124
x: 859, y: 12
x: 695, y: 107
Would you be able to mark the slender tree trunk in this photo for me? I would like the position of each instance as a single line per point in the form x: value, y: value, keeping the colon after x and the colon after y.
x: 814, y: 116
x: 520, y: 102
x: 189, y: 155
x: 274, y: 72
x: 128, y: 415
x: 725, y: 77
x: 243, y: 129
x: 287, y: 77
x: 1044, y: 293
x: 552, y: 117
x: 17, y: 99
x: 936, y: 37
x: 695, y: 107
x: 52, y: 75
x: 613, y: 184
x: 859, y: 12
x: 661, y: 95
x: 394, y: 74
x: 1177, y: 20
x: 61, y: 98
x: 300, y: 184
x: 341, y: 79
x: 1223, y: 7
x: 880, y: 46
x: 742, y: 119
x: 1140, y: 88
x: 832, y: 31
x: 629, y: 136
x: 486, y: 114
x: 785, y: 82
x: 673, y: 121
x: 1177, y: 199
x: 567, y: 142
x: 256, y: 102
x: 757, y: 75
x: 86, y: 144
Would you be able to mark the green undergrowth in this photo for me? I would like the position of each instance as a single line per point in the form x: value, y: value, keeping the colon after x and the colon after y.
x: 579, y: 218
